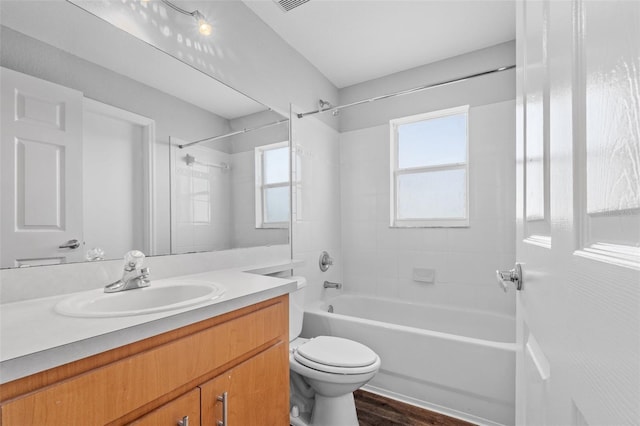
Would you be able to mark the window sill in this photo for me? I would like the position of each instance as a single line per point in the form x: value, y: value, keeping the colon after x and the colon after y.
x: 464, y: 223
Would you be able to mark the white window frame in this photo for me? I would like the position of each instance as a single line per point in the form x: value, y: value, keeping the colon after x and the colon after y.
x: 261, y: 187
x: 396, y: 171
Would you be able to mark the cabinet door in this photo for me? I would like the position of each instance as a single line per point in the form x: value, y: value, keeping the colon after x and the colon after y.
x: 173, y: 412
x: 257, y: 392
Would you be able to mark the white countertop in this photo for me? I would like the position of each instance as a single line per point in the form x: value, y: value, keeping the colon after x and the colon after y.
x: 33, y: 337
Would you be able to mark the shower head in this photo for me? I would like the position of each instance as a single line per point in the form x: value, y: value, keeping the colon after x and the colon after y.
x: 327, y: 106
x: 324, y: 105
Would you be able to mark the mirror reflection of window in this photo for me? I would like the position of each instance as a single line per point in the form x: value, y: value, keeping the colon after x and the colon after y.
x: 272, y: 185
x: 201, y: 200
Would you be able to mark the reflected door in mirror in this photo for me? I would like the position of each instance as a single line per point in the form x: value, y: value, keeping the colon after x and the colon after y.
x: 42, y: 183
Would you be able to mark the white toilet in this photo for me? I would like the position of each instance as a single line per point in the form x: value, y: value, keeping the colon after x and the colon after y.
x: 325, y: 371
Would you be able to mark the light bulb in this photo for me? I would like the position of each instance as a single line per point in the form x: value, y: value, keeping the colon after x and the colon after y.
x: 204, y: 27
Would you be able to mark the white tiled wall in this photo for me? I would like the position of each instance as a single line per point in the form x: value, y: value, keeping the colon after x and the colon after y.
x: 379, y: 260
x: 316, y: 201
x: 189, y: 232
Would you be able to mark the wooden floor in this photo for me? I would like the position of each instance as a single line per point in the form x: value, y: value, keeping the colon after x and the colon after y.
x: 376, y: 410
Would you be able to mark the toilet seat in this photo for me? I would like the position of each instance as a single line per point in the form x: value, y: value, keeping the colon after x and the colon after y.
x: 336, y: 355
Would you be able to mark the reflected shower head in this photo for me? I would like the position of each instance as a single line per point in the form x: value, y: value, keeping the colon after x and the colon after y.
x: 324, y: 105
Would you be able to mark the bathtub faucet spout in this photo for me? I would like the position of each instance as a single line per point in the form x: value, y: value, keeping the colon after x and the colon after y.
x: 329, y: 284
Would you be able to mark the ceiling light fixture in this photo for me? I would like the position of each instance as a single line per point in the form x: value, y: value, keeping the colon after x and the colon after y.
x: 204, y: 27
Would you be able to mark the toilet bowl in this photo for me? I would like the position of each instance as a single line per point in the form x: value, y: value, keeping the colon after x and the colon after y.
x: 325, y: 371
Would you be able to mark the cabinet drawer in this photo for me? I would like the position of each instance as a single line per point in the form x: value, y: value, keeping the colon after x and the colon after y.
x: 107, y: 393
x: 174, y: 411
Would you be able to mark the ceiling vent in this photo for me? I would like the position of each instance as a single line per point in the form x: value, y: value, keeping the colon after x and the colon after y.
x: 287, y: 5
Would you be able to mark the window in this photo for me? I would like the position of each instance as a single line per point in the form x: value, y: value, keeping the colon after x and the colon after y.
x: 272, y: 185
x: 429, y: 169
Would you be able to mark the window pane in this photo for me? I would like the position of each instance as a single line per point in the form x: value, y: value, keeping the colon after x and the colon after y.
x: 276, y: 204
x: 432, y: 195
x: 276, y: 165
x: 434, y: 141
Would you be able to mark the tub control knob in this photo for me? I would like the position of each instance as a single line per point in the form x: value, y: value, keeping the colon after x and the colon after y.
x: 514, y: 275
x: 325, y: 261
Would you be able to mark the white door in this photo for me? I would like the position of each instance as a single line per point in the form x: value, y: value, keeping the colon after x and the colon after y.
x: 41, y: 160
x: 578, y: 187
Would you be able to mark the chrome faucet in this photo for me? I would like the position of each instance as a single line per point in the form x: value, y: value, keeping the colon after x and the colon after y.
x: 134, y: 275
x: 329, y: 284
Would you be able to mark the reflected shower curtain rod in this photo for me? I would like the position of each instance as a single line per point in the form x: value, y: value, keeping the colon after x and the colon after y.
x: 335, y: 109
x: 190, y: 159
x: 237, y: 132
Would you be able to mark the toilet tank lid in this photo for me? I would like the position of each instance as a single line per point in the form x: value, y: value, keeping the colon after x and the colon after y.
x: 302, y: 281
x: 338, y: 352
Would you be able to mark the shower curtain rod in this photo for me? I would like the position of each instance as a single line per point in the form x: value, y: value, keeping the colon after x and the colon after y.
x: 237, y: 132
x: 335, y: 109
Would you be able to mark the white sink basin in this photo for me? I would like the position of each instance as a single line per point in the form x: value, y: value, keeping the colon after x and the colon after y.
x: 164, y: 295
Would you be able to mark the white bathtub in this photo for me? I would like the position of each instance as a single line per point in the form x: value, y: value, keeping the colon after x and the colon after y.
x: 457, y: 362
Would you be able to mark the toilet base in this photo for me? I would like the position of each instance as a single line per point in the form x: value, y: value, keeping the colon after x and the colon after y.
x: 329, y: 411
x: 301, y: 419
x: 334, y: 411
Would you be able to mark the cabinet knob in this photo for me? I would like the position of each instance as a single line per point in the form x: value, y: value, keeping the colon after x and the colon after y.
x: 184, y: 421
x: 224, y: 398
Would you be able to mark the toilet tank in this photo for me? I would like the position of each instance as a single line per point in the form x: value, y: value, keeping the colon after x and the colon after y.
x: 296, y: 308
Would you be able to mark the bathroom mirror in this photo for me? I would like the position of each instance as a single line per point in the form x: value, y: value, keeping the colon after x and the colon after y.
x: 92, y: 121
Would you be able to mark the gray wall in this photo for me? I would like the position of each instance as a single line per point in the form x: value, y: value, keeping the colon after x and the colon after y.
x: 478, y: 91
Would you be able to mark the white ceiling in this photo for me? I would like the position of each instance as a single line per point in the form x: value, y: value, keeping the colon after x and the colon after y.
x: 351, y: 41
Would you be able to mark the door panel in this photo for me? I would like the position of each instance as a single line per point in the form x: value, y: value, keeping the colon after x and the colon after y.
x: 41, y: 157
x: 580, y: 302
x: 39, y: 174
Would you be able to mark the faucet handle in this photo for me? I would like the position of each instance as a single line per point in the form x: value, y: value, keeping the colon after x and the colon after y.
x: 133, y: 260
x: 144, y: 272
x: 325, y: 261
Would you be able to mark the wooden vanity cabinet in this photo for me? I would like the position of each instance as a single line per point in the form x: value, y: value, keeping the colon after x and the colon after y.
x: 188, y: 405
x: 158, y: 381
x: 249, y: 393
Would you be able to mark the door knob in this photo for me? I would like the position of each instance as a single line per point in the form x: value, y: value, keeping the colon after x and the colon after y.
x: 514, y: 275
x: 71, y: 244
